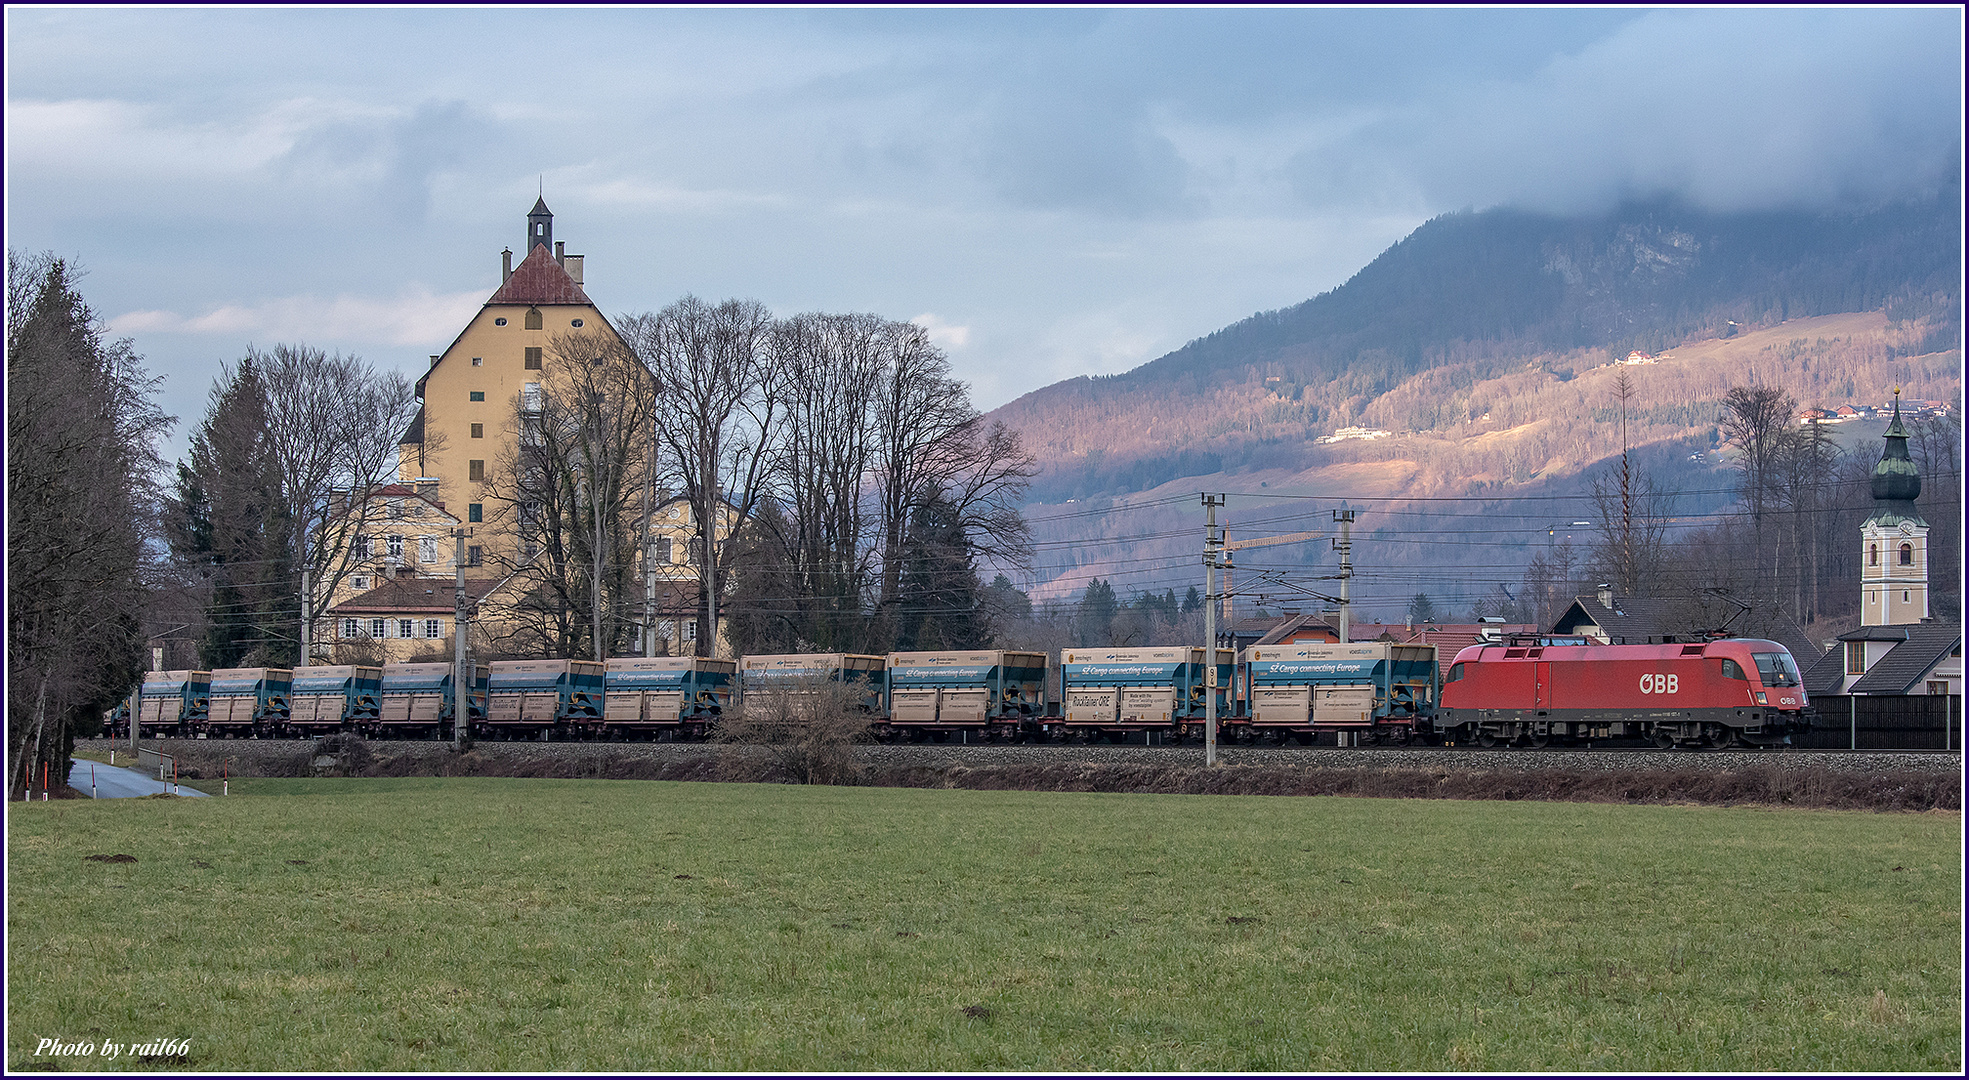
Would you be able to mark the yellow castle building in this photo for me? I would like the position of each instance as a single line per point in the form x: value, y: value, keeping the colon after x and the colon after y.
x: 399, y: 603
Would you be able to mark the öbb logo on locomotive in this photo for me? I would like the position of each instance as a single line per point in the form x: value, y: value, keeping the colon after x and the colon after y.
x: 1527, y: 691
x: 1659, y: 684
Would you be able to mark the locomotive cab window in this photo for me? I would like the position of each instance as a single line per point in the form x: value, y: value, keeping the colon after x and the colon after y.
x: 1455, y: 674
x: 1776, y: 668
x: 1733, y: 670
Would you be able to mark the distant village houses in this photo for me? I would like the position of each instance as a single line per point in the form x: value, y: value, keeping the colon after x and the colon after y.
x: 1346, y: 433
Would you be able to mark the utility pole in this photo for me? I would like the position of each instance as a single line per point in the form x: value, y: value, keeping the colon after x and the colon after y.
x: 649, y: 557
x: 1345, y: 546
x: 307, y: 603
x: 595, y: 591
x: 461, y: 682
x: 1213, y: 542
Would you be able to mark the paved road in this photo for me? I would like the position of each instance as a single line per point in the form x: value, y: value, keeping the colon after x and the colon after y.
x: 117, y: 782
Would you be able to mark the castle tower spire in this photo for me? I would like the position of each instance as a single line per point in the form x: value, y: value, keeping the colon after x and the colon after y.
x: 1894, y: 538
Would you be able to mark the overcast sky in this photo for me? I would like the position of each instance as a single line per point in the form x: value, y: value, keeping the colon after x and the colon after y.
x: 1052, y: 192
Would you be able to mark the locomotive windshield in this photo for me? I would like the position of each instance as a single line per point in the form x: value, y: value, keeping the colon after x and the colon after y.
x: 1776, y: 668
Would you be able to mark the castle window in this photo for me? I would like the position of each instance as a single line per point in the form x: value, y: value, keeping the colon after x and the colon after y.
x: 433, y: 628
x: 530, y: 398
x: 1907, y: 554
x: 396, y: 547
x: 475, y: 512
x: 499, y: 322
x: 427, y: 549
x: 663, y: 551
x: 1873, y: 554
x: 478, y: 431
x: 478, y: 395
x: 351, y: 628
x: 1855, y: 658
x: 478, y: 361
x: 362, y: 547
x: 359, y: 581
x: 476, y: 469
x: 379, y: 628
x: 405, y: 628
x: 474, y: 555
x: 533, y: 358
x: 577, y: 324
x: 534, y: 320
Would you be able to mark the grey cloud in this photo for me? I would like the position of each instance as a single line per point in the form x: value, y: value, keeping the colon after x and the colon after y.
x: 1732, y: 110
x: 389, y: 163
x: 1057, y: 153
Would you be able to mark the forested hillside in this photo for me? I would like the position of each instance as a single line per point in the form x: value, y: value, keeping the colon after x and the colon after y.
x: 1481, y: 351
x: 1473, y: 309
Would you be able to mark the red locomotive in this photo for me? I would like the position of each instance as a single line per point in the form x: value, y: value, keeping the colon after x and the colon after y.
x: 1715, y: 693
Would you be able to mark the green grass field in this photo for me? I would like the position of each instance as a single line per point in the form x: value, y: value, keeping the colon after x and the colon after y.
x: 487, y: 924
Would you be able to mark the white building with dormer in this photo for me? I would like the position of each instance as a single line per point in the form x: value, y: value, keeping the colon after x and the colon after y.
x: 1899, y: 648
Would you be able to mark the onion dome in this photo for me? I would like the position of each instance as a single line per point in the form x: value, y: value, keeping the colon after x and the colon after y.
x: 1896, y: 481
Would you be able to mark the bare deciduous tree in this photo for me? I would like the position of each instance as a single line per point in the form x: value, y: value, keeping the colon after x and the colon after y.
x: 717, y: 397
x: 1633, y: 516
x: 568, y: 488
x: 333, y: 425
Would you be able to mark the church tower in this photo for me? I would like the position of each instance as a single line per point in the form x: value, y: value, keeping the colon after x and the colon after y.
x: 1894, y: 538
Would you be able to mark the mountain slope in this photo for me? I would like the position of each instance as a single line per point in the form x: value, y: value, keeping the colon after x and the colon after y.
x: 1468, y: 298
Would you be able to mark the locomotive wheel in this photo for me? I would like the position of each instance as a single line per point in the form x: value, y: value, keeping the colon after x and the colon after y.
x: 1537, y: 742
x: 1486, y: 738
x: 1664, y: 739
x: 1721, y: 736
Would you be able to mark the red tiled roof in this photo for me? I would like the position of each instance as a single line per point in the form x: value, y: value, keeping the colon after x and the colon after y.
x: 538, y: 279
x: 405, y: 595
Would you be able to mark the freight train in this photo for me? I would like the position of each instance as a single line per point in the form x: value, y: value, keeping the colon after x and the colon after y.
x: 1527, y: 691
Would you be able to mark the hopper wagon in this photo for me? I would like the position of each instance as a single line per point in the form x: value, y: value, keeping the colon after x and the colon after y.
x: 249, y: 702
x: 666, y: 696
x: 173, y: 702
x: 1110, y: 693
x: 418, y: 700
x: 789, y: 670
x: 993, y: 694
x: 1364, y: 692
x: 543, y: 698
x: 331, y: 698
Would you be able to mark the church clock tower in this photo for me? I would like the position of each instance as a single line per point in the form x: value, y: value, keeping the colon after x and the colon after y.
x: 1894, y: 538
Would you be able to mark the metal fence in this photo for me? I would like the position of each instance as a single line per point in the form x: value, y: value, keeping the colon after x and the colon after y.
x: 163, y: 763
x: 1870, y: 722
